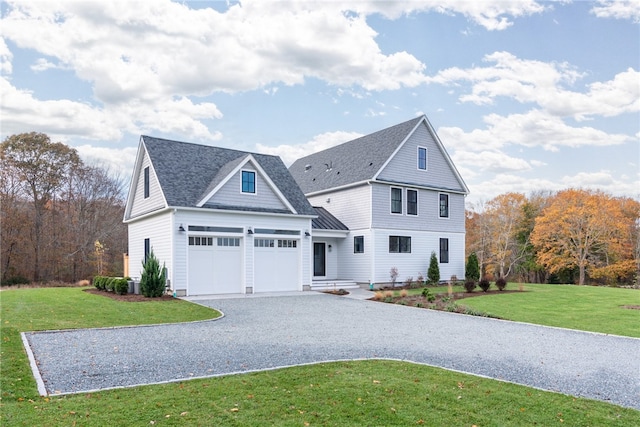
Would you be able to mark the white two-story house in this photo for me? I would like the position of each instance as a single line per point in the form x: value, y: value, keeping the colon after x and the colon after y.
x: 398, y: 197
x: 228, y: 221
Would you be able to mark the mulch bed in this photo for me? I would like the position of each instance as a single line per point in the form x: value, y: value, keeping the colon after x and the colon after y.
x: 126, y: 297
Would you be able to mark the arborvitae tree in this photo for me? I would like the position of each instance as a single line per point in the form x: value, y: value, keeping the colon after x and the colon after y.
x: 472, y: 270
x: 153, y: 280
x: 433, y: 275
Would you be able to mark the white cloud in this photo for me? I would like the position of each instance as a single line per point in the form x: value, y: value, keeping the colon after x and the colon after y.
x: 491, y: 14
x: 599, y: 180
x: 533, y: 129
x: 291, y: 153
x: 544, y: 84
x: 6, y: 67
x: 491, y: 161
x: 118, y: 161
x: 618, y: 9
x: 43, y: 65
x: 22, y: 112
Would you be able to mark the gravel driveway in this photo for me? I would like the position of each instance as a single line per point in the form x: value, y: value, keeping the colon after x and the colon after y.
x: 271, y: 332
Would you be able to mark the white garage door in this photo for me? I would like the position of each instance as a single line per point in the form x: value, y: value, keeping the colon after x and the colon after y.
x: 215, y: 265
x: 277, y: 265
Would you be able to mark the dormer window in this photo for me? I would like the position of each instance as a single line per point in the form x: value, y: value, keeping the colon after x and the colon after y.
x: 422, y: 158
x: 249, y: 182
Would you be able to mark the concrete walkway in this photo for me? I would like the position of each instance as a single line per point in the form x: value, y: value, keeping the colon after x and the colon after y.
x: 277, y: 331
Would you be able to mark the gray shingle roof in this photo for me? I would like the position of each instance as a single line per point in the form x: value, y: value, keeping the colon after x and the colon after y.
x: 187, y: 171
x: 326, y: 221
x: 354, y: 161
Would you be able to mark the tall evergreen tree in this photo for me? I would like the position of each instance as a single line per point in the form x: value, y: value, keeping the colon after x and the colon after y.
x: 153, y: 279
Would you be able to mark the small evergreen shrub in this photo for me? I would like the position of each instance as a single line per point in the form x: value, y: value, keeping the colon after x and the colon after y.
x: 484, y: 284
x: 426, y: 293
x: 154, y: 278
x: 121, y: 286
x: 433, y: 275
x: 98, y: 282
x: 110, y: 283
x: 501, y: 284
x: 472, y: 269
x: 470, y: 285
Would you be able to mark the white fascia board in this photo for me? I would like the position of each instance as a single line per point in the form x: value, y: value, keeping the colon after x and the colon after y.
x: 342, y: 187
x: 147, y: 215
x: 340, y: 234
x: 182, y: 208
x: 420, y: 187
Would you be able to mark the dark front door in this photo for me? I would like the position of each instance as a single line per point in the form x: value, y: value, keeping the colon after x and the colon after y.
x: 319, y: 268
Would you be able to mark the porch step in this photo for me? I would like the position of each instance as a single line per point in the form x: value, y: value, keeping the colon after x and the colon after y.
x: 329, y: 285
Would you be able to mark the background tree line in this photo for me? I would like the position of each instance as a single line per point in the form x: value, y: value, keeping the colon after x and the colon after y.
x: 61, y: 219
x: 572, y: 236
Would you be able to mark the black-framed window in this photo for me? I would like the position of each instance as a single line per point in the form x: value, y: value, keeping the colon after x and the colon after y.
x: 146, y: 182
x: 412, y: 202
x: 147, y: 249
x: 396, y: 200
x: 444, y: 251
x: 248, y: 182
x: 400, y: 244
x: 422, y: 158
x: 444, y: 206
x: 358, y: 244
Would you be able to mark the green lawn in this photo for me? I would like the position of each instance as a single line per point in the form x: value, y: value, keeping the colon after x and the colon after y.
x: 587, y: 308
x: 342, y: 393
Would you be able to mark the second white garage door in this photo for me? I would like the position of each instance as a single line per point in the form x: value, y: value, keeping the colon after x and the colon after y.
x: 277, y: 265
x: 215, y: 265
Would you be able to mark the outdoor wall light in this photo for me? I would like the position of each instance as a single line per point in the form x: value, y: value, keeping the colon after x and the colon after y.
x: 181, y: 229
x: 306, y: 234
x: 249, y: 231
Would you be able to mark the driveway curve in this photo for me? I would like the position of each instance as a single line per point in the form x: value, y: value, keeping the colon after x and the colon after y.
x: 272, y: 332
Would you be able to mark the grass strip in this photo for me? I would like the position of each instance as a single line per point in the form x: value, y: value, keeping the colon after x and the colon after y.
x: 378, y: 393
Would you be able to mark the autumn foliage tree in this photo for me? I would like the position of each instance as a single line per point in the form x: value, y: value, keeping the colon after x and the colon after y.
x: 584, y: 229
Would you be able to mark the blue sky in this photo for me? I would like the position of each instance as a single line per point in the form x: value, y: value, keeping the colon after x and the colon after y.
x: 525, y: 95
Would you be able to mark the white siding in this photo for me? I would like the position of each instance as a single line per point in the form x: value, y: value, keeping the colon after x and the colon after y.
x: 157, y: 229
x: 231, y: 195
x: 352, y: 266
x: 403, y: 167
x: 351, y: 206
x: 155, y: 201
x: 428, y: 218
x: 417, y: 262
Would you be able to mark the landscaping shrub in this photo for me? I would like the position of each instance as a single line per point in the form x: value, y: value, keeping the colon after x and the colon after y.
x: 98, y: 282
x: 470, y: 285
x: 121, y: 286
x: 420, y: 280
x: 501, y: 283
x: 484, y: 284
x: 408, y: 282
x: 428, y: 295
x: 153, y: 279
x: 472, y: 269
x: 434, y: 271
x: 109, y: 284
x: 393, y: 274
